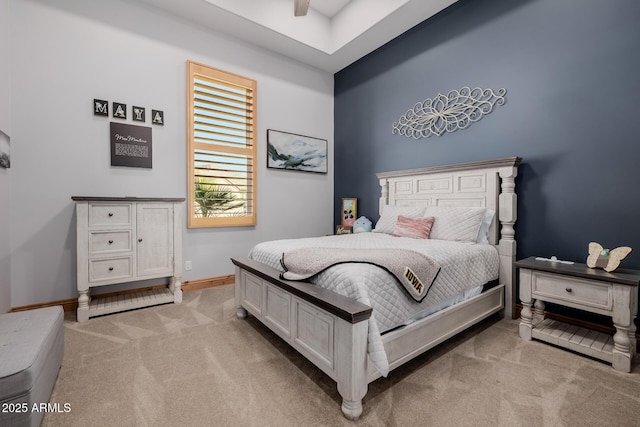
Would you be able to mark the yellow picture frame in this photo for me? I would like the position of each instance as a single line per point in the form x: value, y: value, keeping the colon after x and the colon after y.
x: 349, y: 211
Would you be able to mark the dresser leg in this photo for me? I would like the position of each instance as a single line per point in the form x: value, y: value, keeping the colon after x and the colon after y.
x: 82, y: 314
x: 175, y: 287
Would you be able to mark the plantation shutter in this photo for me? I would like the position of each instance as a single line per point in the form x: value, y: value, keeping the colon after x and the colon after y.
x: 222, y: 148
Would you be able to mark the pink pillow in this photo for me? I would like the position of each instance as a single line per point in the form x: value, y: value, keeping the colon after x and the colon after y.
x: 416, y: 228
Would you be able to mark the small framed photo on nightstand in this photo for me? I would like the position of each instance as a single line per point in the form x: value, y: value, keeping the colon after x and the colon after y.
x: 343, y: 229
x: 349, y: 211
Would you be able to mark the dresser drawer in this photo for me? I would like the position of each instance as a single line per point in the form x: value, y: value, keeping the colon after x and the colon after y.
x: 565, y: 289
x: 107, y: 214
x: 110, y: 269
x: 109, y: 241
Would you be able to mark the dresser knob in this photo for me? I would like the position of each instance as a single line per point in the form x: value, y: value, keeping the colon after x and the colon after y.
x: 568, y: 289
x: 110, y: 268
x: 110, y: 242
x: 140, y: 239
x: 110, y: 213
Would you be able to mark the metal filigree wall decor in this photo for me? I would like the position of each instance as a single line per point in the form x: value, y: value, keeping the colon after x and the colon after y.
x: 457, y: 110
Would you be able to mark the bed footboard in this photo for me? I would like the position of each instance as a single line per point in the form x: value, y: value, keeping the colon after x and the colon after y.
x: 328, y: 329
x: 331, y: 330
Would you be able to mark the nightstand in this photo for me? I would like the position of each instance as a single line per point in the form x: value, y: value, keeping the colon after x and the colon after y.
x: 575, y: 285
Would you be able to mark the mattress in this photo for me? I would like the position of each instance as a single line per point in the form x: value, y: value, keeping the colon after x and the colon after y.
x: 465, y: 268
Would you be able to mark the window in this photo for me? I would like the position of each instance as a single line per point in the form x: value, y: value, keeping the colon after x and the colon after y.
x: 222, y: 148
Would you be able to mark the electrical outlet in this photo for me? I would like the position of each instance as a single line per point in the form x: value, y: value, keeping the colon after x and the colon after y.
x: 187, y: 265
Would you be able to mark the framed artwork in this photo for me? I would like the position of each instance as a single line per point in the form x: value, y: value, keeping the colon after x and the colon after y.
x: 5, y: 150
x: 130, y: 145
x: 296, y: 152
x: 349, y: 211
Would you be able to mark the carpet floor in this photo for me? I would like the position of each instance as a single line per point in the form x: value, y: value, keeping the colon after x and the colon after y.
x: 196, y: 364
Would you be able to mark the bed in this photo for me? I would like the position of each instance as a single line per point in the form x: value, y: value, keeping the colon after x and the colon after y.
x: 344, y: 330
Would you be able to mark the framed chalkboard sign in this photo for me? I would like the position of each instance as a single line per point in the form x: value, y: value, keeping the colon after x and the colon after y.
x: 130, y: 145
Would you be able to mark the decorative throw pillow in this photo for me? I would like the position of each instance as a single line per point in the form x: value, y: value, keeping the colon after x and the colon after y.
x: 416, y: 228
x: 483, y: 234
x: 456, y: 223
x: 390, y: 213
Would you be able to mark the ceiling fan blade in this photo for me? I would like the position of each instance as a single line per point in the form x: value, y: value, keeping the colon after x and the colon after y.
x: 300, y: 7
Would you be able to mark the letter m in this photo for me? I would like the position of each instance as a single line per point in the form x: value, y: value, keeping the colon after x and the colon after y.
x: 101, y: 108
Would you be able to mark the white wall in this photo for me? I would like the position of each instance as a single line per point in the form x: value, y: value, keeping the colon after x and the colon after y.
x: 5, y: 119
x: 65, y: 54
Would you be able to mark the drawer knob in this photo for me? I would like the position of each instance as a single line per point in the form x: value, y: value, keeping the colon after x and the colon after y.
x: 110, y: 242
x: 140, y: 239
x: 110, y: 268
x: 110, y: 213
x: 568, y: 289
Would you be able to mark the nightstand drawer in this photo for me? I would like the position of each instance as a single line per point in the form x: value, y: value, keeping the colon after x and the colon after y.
x: 564, y: 289
x: 109, y: 241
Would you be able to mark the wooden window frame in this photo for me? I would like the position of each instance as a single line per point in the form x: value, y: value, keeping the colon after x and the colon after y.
x: 247, y: 149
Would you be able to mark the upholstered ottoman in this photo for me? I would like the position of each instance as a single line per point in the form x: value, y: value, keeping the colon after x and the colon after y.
x: 31, y: 348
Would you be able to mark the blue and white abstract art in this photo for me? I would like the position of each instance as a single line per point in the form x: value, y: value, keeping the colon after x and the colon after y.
x: 5, y: 145
x: 296, y: 152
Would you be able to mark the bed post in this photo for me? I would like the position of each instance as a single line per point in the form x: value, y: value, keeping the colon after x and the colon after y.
x: 351, y: 365
x: 384, y: 195
x: 241, y: 312
x: 508, y: 213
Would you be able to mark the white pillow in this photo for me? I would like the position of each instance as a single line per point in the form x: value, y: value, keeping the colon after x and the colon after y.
x: 483, y: 234
x: 456, y: 223
x: 389, y: 217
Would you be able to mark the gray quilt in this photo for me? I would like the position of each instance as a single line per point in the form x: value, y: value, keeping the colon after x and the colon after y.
x: 414, y: 271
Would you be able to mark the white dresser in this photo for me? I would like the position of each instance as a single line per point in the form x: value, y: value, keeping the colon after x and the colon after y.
x: 127, y: 239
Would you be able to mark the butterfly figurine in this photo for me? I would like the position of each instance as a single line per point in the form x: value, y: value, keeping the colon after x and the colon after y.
x: 605, y: 258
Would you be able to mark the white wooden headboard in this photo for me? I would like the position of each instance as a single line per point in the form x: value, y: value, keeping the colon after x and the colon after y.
x: 489, y: 184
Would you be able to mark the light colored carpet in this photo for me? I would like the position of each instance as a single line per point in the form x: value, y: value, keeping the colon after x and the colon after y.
x: 196, y: 364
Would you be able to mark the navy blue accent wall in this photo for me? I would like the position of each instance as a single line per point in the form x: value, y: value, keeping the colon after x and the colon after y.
x: 572, y: 73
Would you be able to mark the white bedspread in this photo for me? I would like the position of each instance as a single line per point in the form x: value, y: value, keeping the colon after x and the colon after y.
x: 464, y: 266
